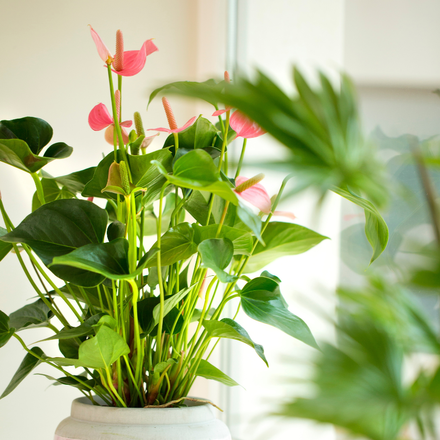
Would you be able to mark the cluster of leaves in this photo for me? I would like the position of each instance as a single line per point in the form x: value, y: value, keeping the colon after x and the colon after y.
x: 135, y: 305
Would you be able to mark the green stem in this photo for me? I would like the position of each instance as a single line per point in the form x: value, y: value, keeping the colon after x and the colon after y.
x: 159, y: 276
x: 240, y: 162
x: 39, y: 186
x: 115, y: 116
x: 51, y: 283
x: 225, y: 139
x: 137, y: 339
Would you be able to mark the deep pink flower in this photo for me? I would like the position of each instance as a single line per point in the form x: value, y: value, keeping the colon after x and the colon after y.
x: 171, y: 120
x: 257, y: 196
x: 244, y: 127
x: 132, y: 62
x: 99, y: 118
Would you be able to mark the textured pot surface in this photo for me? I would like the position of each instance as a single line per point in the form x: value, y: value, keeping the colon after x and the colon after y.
x: 89, y: 422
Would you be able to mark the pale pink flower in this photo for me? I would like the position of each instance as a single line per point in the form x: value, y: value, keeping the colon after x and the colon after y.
x: 131, y: 62
x: 244, y: 127
x: 257, y: 196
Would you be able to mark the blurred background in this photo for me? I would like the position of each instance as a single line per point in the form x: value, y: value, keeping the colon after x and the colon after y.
x: 50, y: 69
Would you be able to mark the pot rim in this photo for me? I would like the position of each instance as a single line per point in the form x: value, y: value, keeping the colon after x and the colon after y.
x: 82, y: 409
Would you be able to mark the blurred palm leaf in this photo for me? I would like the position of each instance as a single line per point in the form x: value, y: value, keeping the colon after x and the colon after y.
x: 359, y: 384
x: 322, y: 132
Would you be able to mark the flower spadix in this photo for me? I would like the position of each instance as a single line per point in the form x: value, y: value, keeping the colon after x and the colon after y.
x: 172, y: 120
x: 227, y: 108
x: 124, y: 63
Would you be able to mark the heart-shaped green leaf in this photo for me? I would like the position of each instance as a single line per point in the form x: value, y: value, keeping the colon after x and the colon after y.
x: 35, y: 132
x: 199, y: 136
x: 104, y: 260
x: 28, y: 364
x: 32, y: 315
x: 282, y: 239
x: 227, y: 328
x: 74, y: 182
x: 85, y: 329
x: 58, y: 228
x: 177, y: 244
x: 216, y: 254
x: 196, y: 170
x: 241, y: 239
x: 208, y: 371
x: 5, y: 248
x: 264, y: 310
x: 6, y: 331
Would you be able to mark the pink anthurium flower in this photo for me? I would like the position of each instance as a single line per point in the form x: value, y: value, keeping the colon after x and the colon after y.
x: 244, y: 127
x: 99, y: 118
x: 256, y: 195
x: 172, y: 120
x: 126, y: 63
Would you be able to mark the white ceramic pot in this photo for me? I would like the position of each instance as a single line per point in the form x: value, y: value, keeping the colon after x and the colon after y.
x: 89, y: 422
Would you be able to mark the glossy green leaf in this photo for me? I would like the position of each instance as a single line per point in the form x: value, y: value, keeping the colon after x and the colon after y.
x: 98, y: 352
x: 216, y: 254
x: 74, y: 182
x: 227, y: 328
x: 58, y: 228
x: 241, y: 239
x: 72, y: 381
x: 32, y: 315
x: 150, y: 219
x: 264, y: 289
x: 376, y: 229
x: 200, y: 135
x: 28, y: 364
x: 169, y: 304
x: 6, y: 331
x: 16, y: 152
x: 85, y: 329
x: 282, y: 239
x: 208, y: 371
x: 177, y: 244
x: 51, y: 192
x: 198, y: 203
x: 252, y: 221
x: 143, y: 173
x: 280, y: 317
x: 196, y: 170
x: 36, y: 132
x: 104, y: 260
x: 5, y: 248
x: 104, y: 349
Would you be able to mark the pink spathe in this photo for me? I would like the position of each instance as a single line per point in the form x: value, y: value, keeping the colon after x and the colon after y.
x: 99, y: 118
x: 133, y: 61
x: 244, y: 127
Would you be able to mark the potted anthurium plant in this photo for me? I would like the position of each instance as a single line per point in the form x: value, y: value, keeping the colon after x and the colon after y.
x: 146, y: 318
